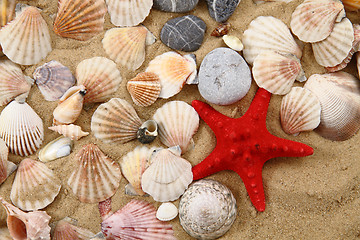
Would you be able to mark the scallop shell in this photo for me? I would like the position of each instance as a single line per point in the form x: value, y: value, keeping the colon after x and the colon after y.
x: 339, y: 95
x: 177, y: 122
x: 66, y: 229
x: 26, y: 39
x: 115, y: 121
x: 166, y: 212
x: 233, y: 42
x: 144, y: 89
x: 71, y: 131
x: 335, y: 48
x: 300, y: 111
x: 207, y: 209
x: 126, y: 46
x: 80, y: 19
x: 268, y: 34
x: 100, y: 77
x: 57, y: 148
x: 21, y: 128
x: 173, y: 71
x: 53, y: 80
x: 167, y: 177
x: 6, y: 167
x: 96, y: 176
x: 276, y: 72
x: 147, y: 132
x: 7, y: 11
x: 128, y: 13
x: 351, y: 5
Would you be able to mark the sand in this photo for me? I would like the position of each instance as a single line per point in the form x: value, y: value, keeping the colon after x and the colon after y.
x: 315, y: 197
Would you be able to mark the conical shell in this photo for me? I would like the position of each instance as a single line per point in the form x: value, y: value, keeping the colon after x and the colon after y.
x: 339, y: 95
x: 57, y: 148
x: 115, y: 121
x: 167, y: 177
x: 100, y: 77
x: 66, y: 229
x: 335, y: 48
x: 7, y: 11
x: 128, y: 13
x: 166, y: 212
x: 276, y: 72
x: 71, y: 131
x: 53, y: 80
x: 21, y: 128
x: 173, y: 71
x: 177, y: 122
x: 144, y: 89
x: 351, y: 5
x: 268, y: 33
x: 80, y: 19
x: 300, y: 111
x: 26, y: 39
x: 6, y: 167
x: 126, y: 46
x: 96, y: 177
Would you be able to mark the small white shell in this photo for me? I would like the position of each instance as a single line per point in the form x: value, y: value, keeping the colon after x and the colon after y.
x: 166, y: 212
x: 233, y: 42
x: 57, y: 148
x: 71, y: 131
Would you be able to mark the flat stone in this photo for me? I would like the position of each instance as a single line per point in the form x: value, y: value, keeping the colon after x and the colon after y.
x: 224, y: 77
x: 183, y: 33
x: 221, y: 10
x: 178, y: 6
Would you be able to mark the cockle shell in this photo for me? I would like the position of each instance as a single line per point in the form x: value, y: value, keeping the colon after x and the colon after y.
x: 147, y: 132
x: 268, y: 33
x: 7, y: 11
x: 339, y: 95
x: 26, y: 39
x: 21, y: 128
x: 166, y: 212
x: 300, y: 111
x: 126, y: 46
x: 53, y: 80
x: 80, y: 19
x: 207, y: 209
x: 144, y: 89
x: 351, y: 5
x: 66, y: 229
x: 100, y: 77
x: 173, y: 71
x: 57, y: 148
x: 96, y: 177
x: 177, y: 122
x: 71, y: 131
x: 22, y: 225
x: 115, y: 121
x: 6, y: 167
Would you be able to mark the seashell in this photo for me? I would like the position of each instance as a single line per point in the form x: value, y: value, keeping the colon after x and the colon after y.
x: 342, y: 37
x: 100, y: 77
x: 166, y: 212
x: 70, y: 105
x: 5, y: 234
x: 26, y: 39
x: 268, y: 34
x: 300, y: 111
x: 173, y: 71
x: 57, y: 148
x: 221, y: 30
x: 23, y: 225
x: 126, y: 46
x: 96, y: 176
x: 351, y: 5
x: 177, y: 122
x: 21, y: 128
x: 53, y: 80
x: 339, y: 95
x: 233, y: 42
x: 13, y: 83
x: 115, y: 121
x: 277, y: 72
x: 71, y: 131
x: 167, y: 177
x: 6, y: 167
x: 207, y: 209
x: 79, y: 19
x: 144, y: 89
x: 358, y: 62
x: 264, y: 1
x: 7, y: 11
x: 41, y: 188
x: 147, y: 132
x: 128, y: 13
x: 66, y: 229
x: 313, y: 20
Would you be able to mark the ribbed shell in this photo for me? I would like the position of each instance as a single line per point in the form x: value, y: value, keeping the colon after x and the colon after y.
x: 100, y: 77
x: 6, y: 167
x: 7, y: 11
x: 71, y: 131
x: 144, y: 89
x: 96, y: 177
x: 21, y: 128
x: 80, y: 19
x: 26, y: 39
x: 66, y: 229
x: 335, y: 48
x: 115, y: 121
x: 339, y: 95
x: 57, y: 148
x: 351, y: 5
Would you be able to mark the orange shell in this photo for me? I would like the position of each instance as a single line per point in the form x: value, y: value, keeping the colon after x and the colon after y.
x: 144, y: 89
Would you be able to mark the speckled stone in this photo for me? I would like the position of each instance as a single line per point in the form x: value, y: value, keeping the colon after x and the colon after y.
x: 224, y: 77
x: 221, y: 10
x: 178, y: 6
x: 183, y: 33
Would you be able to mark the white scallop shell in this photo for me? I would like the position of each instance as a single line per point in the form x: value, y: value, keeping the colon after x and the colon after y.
x: 166, y: 212
x: 71, y: 131
x: 6, y: 167
x: 57, y: 148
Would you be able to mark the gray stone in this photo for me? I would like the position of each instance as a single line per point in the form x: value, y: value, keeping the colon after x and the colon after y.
x: 224, y: 77
x: 178, y: 6
x: 221, y: 10
x: 183, y: 33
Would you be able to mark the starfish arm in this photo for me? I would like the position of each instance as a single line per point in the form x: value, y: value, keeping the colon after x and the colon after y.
x: 259, y: 106
x: 210, y: 165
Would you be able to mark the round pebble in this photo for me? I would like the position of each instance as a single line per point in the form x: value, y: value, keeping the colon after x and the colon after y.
x: 178, y: 6
x: 224, y: 77
x: 221, y: 10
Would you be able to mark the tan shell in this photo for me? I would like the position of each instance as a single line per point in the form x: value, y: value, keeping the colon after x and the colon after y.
x: 233, y: 42
x: 6, y: 167
x: 351, y: 5
x: 57, y: 148
x: 144, y: 89
x: 7, y: 11
x: 71, y: 131
x: 80, y: 19
x: 66, y: 229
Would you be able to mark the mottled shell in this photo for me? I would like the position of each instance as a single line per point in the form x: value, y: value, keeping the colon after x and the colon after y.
x: 7, y: 11
x: 167, y: 212
x: 221, y: 30
x: 71, y: 131
x: 80, y: 19
x: 144, y: 89
x: 57, y: 148
x: 351, y: 5
x: 6, y: 167
x: 115, y: 121
x: 207, y: 209
x: 66, y: 229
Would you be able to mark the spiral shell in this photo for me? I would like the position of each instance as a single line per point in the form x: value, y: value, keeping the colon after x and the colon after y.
x: 71, y: 131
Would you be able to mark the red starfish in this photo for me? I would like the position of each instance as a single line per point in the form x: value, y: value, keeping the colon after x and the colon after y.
x: 244, y: 145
